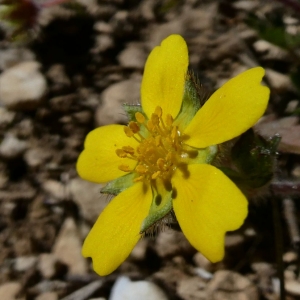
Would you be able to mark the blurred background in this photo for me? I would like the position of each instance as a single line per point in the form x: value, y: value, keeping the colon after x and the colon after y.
x: 67, y: 67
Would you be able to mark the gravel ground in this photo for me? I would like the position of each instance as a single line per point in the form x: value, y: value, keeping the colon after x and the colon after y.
x: 81, y: 62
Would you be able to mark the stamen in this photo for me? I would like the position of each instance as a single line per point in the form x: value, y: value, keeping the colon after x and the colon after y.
x: 158, y: 141
x: 174, y: 133
x: 128, y: 149
x: 155, y: 175
x: 155, y: 119
x: 161, y: 164
x: 140, y: 117
x: 125, y: 168
x: 135, y: 128
x: 128, y: 131
x: 160, y: 146
x: 169, y: 120
x: 121, y: 153
x: 141, y: 169
x: 140, y: 178
x: 158, y: 111
x: 150, y: 126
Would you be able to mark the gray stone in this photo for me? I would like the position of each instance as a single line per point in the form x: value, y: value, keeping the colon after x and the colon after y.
x: 279, y: 82
x: 87, y: 196
x: 36, y: 157
x: 111, y: 110
x: 192, y: 288
x: 24, y: 263
x: 55, y: 189
x: 202, y: 262
x: 172, y: 243
x: 293, y: 287
x: 6, y: 117
x: 133, y: 56
x: 12, y: 56
x: 22, y: 87
x: 11, y: 147
x: 103, y: 43
x: 47, y: 265
x: 47, y: 296
x: 231, y: 285
x: 9, y: 290
x: 67, y: 248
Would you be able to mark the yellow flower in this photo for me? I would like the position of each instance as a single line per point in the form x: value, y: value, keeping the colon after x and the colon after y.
x: 161, y: 162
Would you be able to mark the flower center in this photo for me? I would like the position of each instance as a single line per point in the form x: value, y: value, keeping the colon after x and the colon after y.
x: 160, y: 146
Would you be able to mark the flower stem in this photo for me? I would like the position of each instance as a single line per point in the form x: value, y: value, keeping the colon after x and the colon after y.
x: 278, y: 242
x: 52, y: 3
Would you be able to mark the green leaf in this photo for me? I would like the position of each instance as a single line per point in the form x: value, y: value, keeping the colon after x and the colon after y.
x: 254, y: 157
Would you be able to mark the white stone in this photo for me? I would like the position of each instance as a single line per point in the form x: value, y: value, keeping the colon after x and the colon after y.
x: 124, y: 289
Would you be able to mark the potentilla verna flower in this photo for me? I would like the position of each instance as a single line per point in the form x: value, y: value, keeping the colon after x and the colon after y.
x: 162, y: 163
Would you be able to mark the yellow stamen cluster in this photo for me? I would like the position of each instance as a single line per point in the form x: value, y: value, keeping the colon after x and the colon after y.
x: 159, y: 149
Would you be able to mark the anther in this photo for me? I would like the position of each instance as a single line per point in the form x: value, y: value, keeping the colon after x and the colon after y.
x: 155, y: 175
x: 141, y: 169
x: 128, y: 131
x: 140, y: 178
x: 161, y: 164
x: 128, y: 149
x: 124, y: 168
x: 135, y: 128
x: 169, y: 120
x: 140, y: 117
x: 121, y: 153
x: 174, y: 133
x: 150, y: 125
x: 158, y: 140
x: 155, y: 119
x: 158, y: 111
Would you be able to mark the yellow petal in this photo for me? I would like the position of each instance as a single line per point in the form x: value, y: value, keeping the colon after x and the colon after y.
x: 99, y: 162
x: 230, y: 111
x: 207, y: 204
x: 164, y: 77
x: 117, y: 229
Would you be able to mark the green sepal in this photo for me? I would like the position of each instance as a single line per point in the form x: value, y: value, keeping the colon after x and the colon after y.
x: 161, y: 203
x: 193, y: 98
x: 118, y: 185
x: 254, y: 158
x: 131, y: 109
x: 200, y: 156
